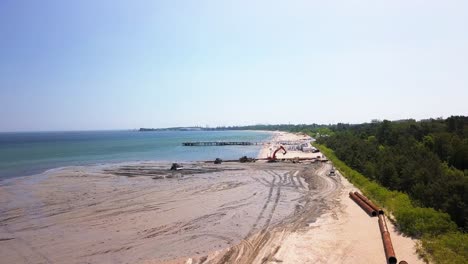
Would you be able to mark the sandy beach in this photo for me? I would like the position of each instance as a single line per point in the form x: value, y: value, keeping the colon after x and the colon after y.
x: 204, y: 213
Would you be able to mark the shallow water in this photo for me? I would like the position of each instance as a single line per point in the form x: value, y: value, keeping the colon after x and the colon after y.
x: 34, y: 152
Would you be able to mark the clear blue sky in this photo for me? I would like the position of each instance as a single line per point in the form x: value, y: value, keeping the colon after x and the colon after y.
x: 79, y: 65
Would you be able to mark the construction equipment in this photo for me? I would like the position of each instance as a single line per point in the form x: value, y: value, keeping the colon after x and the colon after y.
x: 175, y: 166
x: 245, y: 159
x: 273, y: 157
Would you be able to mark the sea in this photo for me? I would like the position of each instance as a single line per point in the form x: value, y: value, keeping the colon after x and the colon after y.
x: 31, y: 153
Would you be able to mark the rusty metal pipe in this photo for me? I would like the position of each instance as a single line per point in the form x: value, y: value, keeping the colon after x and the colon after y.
x: 387, y: 242
x: 363, y: 205
x: 382, y: 224
x: 369, y: 202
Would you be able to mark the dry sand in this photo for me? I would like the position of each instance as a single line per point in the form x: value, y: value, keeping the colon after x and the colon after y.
x: 343, y: 234
x: 204, y: 213
x: 279, y: 137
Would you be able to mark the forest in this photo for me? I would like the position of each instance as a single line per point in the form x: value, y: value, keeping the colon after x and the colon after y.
x: 416, y: 170
x: 427, y: 159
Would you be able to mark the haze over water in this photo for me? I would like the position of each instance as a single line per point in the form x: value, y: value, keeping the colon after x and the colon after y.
x: 34, y: 152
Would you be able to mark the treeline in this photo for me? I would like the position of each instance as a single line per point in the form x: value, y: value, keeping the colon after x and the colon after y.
x: 281, y: 127
x: 440, y: 241
x: 428, y: 159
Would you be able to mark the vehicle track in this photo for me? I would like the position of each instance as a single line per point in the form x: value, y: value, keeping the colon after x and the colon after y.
x: 262, y: 246
x: 271, y: 191
x: 293, y: 182
x: 277, y: 198
x: 265, y: 205
x: 246, y: 251
x: 298, y: 177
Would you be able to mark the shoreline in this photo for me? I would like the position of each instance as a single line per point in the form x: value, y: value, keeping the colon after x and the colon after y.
x: 79, y: 215
x: 140, y: 212
x: 38, y: 172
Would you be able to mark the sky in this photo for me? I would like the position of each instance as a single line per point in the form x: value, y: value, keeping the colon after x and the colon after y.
x: 110, y: 64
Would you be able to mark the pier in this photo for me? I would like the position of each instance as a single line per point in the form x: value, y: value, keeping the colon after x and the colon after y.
x: 220, y: 143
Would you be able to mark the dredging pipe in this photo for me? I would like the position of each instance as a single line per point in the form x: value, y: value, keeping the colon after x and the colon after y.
x: 387, y: 242
x: 369, y: 210
x: 278, y: 159
x: 369, y: 202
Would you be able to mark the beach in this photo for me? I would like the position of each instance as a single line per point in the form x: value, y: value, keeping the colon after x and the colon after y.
x: 141, y: 212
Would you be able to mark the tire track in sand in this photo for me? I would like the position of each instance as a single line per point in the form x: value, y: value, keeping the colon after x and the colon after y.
x: 248, y: 248
x: 296, y: 174
x: 293, y: 182
x: 285, y: 177
x: 314, y: 203
x: 277, y: 198
x: 265, y: 205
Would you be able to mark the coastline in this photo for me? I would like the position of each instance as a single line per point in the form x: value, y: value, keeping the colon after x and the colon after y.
x: 200, y: 214
x: 175, y: 153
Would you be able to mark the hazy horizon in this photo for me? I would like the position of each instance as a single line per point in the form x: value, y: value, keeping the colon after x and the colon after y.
x: 207, y: 126
x: 119, y: 65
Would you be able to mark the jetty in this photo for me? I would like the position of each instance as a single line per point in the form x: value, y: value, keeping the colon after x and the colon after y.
x: 220, y: 143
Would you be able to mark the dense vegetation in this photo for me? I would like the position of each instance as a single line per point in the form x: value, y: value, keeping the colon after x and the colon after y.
x: 417, y: 171
x: 440, y: 240
x: 428, y: 160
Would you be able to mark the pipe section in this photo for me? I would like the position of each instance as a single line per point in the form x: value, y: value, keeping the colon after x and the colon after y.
x: 369, y: 202
x: 363, y: 205
x: 387, y: 242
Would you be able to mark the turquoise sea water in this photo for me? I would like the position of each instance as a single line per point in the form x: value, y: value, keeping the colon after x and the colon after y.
x: 30, y: 153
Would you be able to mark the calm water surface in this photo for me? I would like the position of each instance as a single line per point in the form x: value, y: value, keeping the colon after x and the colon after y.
x: 34, y: 152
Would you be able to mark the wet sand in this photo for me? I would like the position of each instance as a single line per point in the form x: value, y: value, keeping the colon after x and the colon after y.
x: 204, y: 213
x: 92, y: 215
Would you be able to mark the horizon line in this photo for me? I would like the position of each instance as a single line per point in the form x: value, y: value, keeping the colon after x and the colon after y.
x: 224, y: 126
